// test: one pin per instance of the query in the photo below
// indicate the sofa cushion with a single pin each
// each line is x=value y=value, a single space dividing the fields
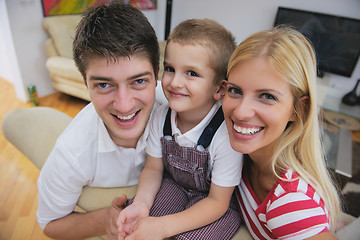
x=64 y=67
x=62 y=30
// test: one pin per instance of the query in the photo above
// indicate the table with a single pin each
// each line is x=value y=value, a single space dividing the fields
x=338 y=148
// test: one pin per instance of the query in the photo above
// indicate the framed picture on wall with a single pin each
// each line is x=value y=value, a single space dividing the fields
x=66 y=7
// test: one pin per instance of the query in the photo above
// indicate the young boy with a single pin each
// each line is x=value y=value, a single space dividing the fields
x=188 y=142
x=116 y=50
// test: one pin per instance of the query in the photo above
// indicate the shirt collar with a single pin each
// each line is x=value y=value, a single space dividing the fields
x=193 y=134
x=105 y=143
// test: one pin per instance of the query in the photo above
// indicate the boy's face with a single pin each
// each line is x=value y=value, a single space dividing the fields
x=188 y=80
x=123 y=94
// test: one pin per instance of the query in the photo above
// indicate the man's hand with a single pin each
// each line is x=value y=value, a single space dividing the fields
x=117 y=206
x=129 y=217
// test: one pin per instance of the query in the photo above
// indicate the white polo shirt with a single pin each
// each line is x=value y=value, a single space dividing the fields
x=226 y=163
x=84 y=154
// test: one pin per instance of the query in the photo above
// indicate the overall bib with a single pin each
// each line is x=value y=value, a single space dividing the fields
x=187 y=180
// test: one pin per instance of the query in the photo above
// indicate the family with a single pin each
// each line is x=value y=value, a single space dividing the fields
x=237 y=143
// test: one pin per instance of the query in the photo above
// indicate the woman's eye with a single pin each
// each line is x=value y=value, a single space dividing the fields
x=168 y=69
x=192 y=74
x=268 y=97
x=234 y=91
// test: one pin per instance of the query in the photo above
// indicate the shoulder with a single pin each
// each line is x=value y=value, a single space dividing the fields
x=80 y=138
x=159 y=114
x=294 y=204
x=84 y=124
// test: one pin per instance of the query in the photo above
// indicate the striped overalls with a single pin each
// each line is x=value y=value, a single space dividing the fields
x=187 y=180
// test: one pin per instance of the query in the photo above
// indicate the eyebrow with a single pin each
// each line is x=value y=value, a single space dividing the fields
x=259 y=90
x=139 y=75
x=100 y=78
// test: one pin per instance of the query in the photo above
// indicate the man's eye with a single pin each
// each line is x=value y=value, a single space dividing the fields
x=169 y=69
x=140 y=81
x=192 y=74
x=103 y=85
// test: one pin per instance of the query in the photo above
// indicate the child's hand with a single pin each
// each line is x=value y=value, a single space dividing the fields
x=148 y=228
x=129 y=217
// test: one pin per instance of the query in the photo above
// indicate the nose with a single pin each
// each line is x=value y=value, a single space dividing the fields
x=245 y=109
x=176 y=81
x=124 y=100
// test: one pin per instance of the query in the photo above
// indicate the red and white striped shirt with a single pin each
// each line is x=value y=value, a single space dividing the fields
x=291 y=210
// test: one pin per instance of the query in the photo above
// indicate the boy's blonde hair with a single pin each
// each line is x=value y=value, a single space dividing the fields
x=299 y=147
x=210 y=34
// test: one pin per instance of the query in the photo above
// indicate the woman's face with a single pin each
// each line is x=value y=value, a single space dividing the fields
x=257 y=106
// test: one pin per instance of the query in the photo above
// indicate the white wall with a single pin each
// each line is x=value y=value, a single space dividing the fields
x=243 y=18
x=239 y=16
x=29 y=38
x=9 y=67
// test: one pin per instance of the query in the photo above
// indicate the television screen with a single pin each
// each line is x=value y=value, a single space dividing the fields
x=336 y=39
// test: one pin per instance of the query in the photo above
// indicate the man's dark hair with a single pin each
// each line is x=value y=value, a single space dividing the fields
x=112 y=31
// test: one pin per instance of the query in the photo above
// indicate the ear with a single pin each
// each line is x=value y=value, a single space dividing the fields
x=303 y=104
x=220 y=91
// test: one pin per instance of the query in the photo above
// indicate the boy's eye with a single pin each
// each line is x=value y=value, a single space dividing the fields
x=169 y=69
x=192 y=74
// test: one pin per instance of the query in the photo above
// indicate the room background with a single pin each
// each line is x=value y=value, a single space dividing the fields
x=22 y=38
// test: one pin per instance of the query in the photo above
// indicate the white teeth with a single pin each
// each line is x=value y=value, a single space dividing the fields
x=247 y=131
x=124 y=118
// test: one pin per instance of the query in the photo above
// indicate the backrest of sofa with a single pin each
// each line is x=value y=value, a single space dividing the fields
x=62 y=31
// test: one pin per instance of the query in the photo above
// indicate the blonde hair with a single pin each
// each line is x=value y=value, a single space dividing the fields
x=299 y=147
x=210 y=34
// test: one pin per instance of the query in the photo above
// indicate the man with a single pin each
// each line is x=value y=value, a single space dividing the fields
x=116 y=50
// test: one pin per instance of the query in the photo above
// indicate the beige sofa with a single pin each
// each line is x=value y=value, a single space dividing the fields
x=63 y=73
x=36 y=137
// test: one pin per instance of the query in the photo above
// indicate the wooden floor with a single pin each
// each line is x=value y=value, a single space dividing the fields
x=18 y=190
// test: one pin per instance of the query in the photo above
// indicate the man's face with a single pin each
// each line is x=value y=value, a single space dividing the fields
x=123 y=94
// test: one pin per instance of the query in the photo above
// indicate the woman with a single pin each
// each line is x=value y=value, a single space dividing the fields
x=271 y=113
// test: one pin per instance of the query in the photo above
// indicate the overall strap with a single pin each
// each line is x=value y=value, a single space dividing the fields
x=167 y=126
x=208 y=133
x=210 y=130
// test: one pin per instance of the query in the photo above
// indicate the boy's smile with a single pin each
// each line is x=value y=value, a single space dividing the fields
x=188 y=80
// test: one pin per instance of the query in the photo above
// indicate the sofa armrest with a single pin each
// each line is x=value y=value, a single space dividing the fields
x=64 y=67
x=93 y=198
x=50 y=48
x=33 y=131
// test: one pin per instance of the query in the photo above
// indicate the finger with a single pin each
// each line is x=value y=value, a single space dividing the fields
x=121 y=223
x=119 y=202
x=129 y=238
x=121 y=236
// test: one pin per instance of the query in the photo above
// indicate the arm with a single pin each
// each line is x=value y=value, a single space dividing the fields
x=149 y=184
x=323 y=236
x=200 y=214
x=149 y=181
x=95 y=223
